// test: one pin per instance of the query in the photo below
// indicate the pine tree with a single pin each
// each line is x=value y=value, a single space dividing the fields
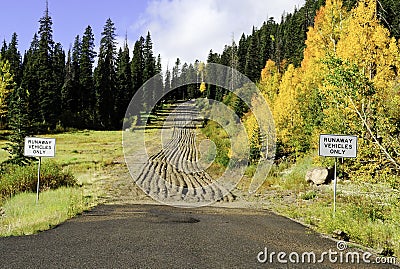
x=212 y=75
x=105 y=77
x=148 y=72
x=48 y=95
x=242 y=52
x=70 y=90
x=67 y=92
x=19 y=126
x=68 y=95
x=253 y=62
x=137 y=68
x=3 y=49
x=88 y=93
x=149 y=60
x=158 y=81
x=190 y=78
x=239 y=106
x=167 y=85
x=124 y=90
x=30 y=82
x=175 y=80
x=14 y=58
x=183 y=89
x=76 y=101
x=58 y=63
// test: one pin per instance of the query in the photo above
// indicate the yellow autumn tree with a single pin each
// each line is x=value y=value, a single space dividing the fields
x=323 y=37
x=360 y=87
x=269 y=83
x=287 y=114
x=321 y=42
x=367 y=43
x=6 y=84
x=254 y=137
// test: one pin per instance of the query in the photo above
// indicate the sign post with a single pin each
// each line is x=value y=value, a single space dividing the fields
x=38 y=180
x=39 y=147
x=335 y=186
x=337 y=146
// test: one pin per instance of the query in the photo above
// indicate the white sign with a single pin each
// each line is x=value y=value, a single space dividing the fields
x=40 y=147
x=340 y=146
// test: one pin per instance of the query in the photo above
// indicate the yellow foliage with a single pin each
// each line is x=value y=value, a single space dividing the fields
x=367 y=43
x=321 y=41
x=323 y=37
x=6 y=84
x=270 y=79
x=286 y=108
x=254 y=136
x=252 y=128
x=303 y=101
x=203 y=87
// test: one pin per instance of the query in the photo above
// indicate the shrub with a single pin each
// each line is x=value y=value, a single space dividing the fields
x=309 y=195
x=15 y=179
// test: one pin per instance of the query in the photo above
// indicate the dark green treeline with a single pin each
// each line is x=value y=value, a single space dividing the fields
x=84 y=89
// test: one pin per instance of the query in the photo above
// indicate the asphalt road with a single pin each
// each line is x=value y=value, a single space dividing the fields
x=153 y=236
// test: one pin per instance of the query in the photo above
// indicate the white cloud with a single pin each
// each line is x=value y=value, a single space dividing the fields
x=188 y=29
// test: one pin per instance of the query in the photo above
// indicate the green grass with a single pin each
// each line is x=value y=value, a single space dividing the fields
x=288 y=176
x=22 y=216
x=367 y=221
x=3 y=142
x=16 y=179
x=219 y=136
x=95 y=158
x=83 y=150
x=89 y=156
x=86 y=151
x=368 y=213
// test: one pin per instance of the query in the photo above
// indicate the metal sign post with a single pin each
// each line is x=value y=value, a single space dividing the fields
x=38 y=180
x=337 y=146
x=334 y=187
x=39 y=147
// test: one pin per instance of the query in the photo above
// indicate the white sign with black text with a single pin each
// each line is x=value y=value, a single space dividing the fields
x=339 y=146
x=40 y=147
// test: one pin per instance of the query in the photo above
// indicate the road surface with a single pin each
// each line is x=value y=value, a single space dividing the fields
x=155 y=236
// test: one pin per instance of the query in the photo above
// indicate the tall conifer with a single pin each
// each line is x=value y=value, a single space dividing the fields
x=105 y=77
x=88 y=93
x=124 y=91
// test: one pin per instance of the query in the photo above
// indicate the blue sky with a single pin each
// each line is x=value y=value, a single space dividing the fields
x=180 y=28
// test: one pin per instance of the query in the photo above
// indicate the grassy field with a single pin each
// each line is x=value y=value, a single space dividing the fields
x=96 y=159
x=22 y=216
x=368 y=214
x=90 y=156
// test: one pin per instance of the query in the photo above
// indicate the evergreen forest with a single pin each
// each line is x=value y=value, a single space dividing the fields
x=330 y=66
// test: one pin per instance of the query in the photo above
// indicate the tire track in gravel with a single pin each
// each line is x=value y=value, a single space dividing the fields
x=173 y=174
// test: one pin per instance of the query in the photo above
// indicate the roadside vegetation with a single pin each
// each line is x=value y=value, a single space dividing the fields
x=337 y=90
x=72 y=182
x=366 y=213
x=20 y=215
x=335 y=73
